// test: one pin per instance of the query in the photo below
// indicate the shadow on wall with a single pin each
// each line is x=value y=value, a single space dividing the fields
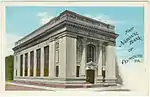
x=118 y=74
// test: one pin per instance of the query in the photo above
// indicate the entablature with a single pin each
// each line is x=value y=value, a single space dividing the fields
x=69 y=16
x=67 y=24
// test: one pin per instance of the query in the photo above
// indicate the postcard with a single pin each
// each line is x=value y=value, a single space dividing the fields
x=70 y=49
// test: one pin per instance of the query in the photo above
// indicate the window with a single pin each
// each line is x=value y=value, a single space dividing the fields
x=91 y=53
x=79 y=49
x=46 y=61
x=57 y=71
x=77 y=71
x=21 y=65
x=57 y=52
x=16 y=72
x=38 y=60
x=26 y=64
x=31 y=62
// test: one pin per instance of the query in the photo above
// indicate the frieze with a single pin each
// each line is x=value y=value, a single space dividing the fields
x=85 y=32
x=88 y=20
x=92 y=41
x=50 y=25
x=89 y=25
x=49 y=38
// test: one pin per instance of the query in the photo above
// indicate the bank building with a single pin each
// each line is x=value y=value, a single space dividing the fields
x=69 y=49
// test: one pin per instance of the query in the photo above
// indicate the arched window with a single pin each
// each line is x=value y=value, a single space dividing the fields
x=91 y=52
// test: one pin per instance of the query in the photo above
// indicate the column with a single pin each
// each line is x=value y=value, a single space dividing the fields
x=83 y=59
x=110 y=62
x=71 y=57
x=42 y=62
x=29 y=64
x=18 y=67
x=103 y=55
x=99 y=56
x=62 y=57
x=34 y=65
x=23 y=65
x=51 y=59
x=15 y=66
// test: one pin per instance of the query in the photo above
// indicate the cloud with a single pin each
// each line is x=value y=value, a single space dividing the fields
x=105 y=19
x=44 y=17
x=10 y=43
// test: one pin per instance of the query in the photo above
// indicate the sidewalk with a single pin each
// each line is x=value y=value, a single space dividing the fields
x=96 y=89
x=15 y=86
x=11 y=87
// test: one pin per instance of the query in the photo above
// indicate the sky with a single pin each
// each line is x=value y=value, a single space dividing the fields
x=22 y=20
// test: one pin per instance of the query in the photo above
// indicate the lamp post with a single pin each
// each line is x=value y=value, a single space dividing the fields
x=103 y=74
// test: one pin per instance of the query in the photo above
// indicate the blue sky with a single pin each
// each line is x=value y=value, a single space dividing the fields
x=21 y=21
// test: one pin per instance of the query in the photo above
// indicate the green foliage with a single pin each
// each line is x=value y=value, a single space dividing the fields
x=9 y=61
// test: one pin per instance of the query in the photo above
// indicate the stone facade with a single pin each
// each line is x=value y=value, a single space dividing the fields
x=73 y=41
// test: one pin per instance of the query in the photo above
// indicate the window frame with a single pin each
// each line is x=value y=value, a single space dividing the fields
x=31 y=63
x=91 y=53
x=38 y=61
x=21 y=65
x=46 y=60
x=26 y=65
x=77 y=71
x=57 y=71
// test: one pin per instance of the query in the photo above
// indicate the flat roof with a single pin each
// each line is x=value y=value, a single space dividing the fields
x=66 y=13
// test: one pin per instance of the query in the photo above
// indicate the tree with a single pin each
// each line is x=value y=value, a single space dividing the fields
x=9 y=61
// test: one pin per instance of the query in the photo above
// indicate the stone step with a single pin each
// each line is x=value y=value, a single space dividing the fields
x=58 y=85
x=54 y=85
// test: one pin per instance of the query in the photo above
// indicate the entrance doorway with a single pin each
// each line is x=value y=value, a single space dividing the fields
x=90 y=76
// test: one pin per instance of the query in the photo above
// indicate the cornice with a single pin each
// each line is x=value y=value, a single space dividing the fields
x=64 y=16
x=73 y=25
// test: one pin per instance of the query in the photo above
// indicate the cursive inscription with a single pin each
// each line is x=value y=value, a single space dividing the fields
x=131 y=37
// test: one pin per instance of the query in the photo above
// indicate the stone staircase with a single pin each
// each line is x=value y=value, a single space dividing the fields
x=61 y=85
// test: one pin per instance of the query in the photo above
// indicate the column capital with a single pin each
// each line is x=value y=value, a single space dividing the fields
x=105 y=43
x=109 y=44
x=100 y=44
x=84 y=39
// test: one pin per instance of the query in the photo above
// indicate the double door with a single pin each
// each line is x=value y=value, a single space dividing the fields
x=90 y=76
